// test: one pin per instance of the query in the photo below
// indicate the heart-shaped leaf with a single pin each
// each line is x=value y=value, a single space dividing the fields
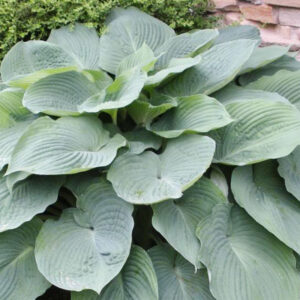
x=265 y=127
x=88 y=246
x=198 y=113
x=71 y=90
x=64 y=146
x=149 y=178
x=244 y=260
x=177 y=220
x=127 y=30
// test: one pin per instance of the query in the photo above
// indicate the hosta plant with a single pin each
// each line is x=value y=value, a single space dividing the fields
x=147 y=165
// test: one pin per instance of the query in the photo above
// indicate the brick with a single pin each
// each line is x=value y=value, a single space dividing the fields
x=220 y=4
x=290 y=3
x=234 y=8
x=289 y=16
x=262 y=13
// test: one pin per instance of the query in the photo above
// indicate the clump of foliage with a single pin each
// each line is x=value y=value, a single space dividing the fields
x=34 y=19
x=137 y=163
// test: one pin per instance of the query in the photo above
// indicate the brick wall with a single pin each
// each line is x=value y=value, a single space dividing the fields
x=278 y=20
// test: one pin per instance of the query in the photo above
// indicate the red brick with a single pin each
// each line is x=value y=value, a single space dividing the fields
x=220 y=4
x=289 y=16
x=262 y=13
x=290 y=3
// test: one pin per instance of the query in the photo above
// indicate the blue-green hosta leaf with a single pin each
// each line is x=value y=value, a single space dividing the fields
x=216 y=69
x=14 y=120
x=176 y=65
x=64 y=146
x=261 y=192
x=27 y=199
x=177 y=279
x=219 y=179
x=143 y=58
x=183 y=45
x=245 y=262
x=233 y=93
x=88 y=246
x=140 y=139
x=19 y=276
x=262 y=56
x=231 y=33
x=122 y=92
x=30 y=61
x=136 y=281
x=286 y=62
x=198 y=113
x=149 y=178
x=177 y=220
x=128 y=29
x=13 y=178
x=61 y=94
x=289 y=169
x=264 y=128
x=285 y=83
x=144 y=110
x=81 y=41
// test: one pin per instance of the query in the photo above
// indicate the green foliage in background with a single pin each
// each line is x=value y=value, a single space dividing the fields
x=33 y=19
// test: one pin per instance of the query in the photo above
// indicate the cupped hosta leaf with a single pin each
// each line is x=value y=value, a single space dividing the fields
x=26 y=199
x=122 y=92
x=232 y=33
x=262 y=193
x=285 y=83
x=140 y=139
x=136 y=281
x=264 y=128
x=198 y=113
x=177 y=279
x=128 y=29
x=262 y=56
x=61 y=94
x=286 y=62
x=176 y=65
x=216 y=69
x=183 y=45
x=64 y=146
x=245 y=262
x=14 y=120
x=30 y=61
x=143 y=58
x=144 y=110
x=289 y=169
x=149 y=178
x=88 y=246
x=19 y=276
x=177 y=220
x=81 y=41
